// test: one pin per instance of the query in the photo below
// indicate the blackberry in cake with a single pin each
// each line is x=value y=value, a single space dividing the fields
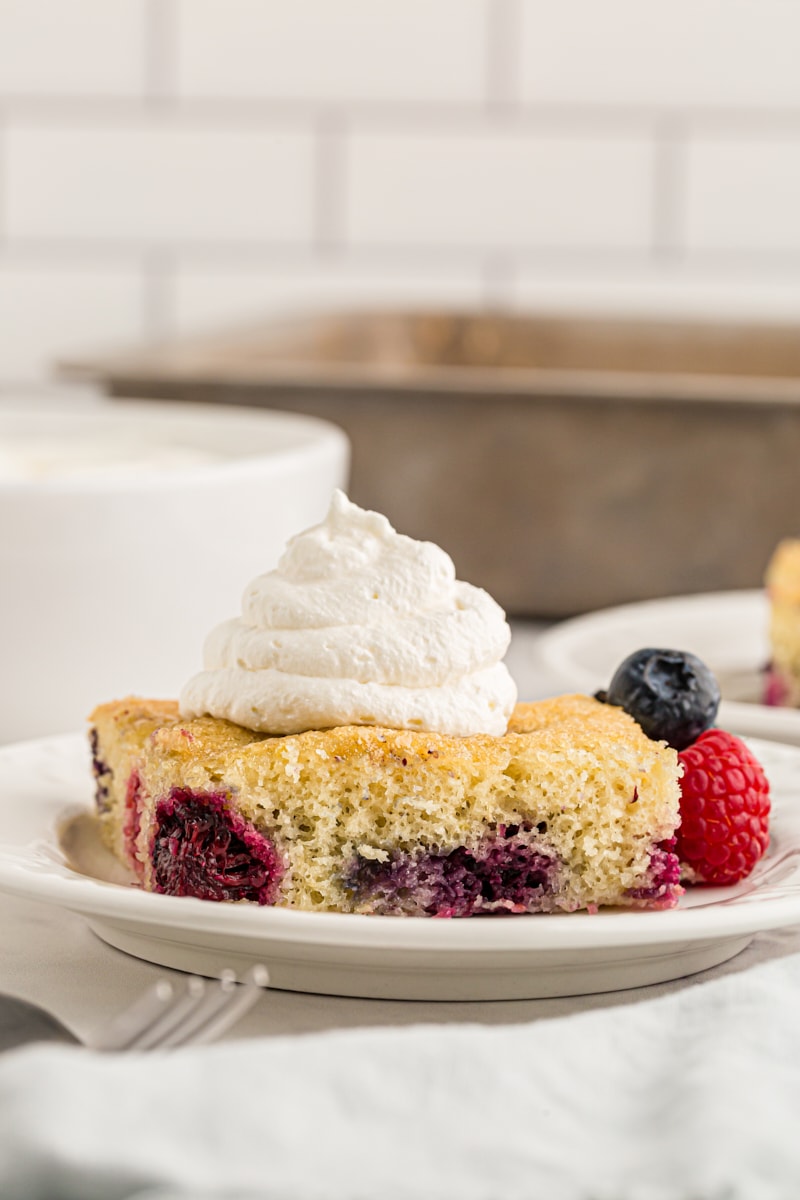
x=783 y=591
x=572 y=808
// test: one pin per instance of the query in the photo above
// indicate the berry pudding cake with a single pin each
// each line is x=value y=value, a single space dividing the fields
x=783 y=591
x=354 y=744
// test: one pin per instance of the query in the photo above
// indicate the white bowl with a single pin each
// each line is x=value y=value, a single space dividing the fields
x=110 y=578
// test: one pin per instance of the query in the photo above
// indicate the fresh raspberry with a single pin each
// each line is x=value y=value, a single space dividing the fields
x=725 y=807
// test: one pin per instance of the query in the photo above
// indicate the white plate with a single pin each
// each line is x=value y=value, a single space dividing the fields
x=728 y=630
x=49 y=850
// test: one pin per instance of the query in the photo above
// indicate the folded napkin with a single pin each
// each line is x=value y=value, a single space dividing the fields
x=691 y=1096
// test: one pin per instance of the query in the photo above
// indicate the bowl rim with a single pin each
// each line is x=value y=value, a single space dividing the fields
x=314 y=439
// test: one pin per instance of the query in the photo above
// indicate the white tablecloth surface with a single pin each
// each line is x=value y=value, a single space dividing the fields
x=682 y=1091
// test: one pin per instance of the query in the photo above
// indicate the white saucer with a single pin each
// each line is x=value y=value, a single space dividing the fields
x=728 y=630
x=49 y=850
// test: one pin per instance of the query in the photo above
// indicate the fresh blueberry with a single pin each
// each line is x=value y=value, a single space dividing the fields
x=672 y=694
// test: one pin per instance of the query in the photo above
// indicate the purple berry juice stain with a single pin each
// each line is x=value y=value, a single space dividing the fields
x=507 y=872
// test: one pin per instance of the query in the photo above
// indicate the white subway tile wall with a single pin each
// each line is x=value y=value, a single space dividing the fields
x=492 y=189
x=744 y=193
x=48 y=307
x=169 y=181
x=339 y=51
x=676 y=54
x=82 y=48
x=168 y=166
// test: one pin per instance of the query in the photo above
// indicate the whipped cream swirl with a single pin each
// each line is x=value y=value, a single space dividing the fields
x=358 y=625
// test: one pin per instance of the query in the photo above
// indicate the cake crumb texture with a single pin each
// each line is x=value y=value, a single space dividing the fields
x=573 y=807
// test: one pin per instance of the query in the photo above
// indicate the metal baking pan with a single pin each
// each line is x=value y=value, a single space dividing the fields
x=565 y=463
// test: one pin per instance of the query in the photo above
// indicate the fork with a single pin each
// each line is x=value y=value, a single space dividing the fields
x=164 y=1017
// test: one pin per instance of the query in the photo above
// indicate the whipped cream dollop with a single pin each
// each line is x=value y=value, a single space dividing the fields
x=358 y=625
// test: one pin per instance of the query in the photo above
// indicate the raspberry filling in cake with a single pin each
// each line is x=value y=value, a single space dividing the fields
x=200 y=848
x=132 y=820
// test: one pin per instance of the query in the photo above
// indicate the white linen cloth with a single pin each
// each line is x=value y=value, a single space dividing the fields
x=690 y=1096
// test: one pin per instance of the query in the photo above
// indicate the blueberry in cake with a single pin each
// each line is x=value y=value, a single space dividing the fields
x=783 y=591
x=353 y=745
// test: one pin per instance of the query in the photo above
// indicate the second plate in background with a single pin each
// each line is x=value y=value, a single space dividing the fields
x=728 y=630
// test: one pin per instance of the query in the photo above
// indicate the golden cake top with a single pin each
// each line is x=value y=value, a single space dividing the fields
x=572 y=721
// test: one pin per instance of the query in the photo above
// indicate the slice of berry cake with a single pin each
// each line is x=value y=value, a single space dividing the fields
x=783 y=590
x=573 y=808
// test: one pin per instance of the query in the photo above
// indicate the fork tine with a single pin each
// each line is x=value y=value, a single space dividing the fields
x=198 y=1013
x=219 y=1010
x=142 y=1014
x=182 y=1007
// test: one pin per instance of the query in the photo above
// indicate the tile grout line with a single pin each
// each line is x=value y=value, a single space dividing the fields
x=669 y=189
x=528 y=116
x=503 y=23
x=61 y=251
x=4 y=232
x=158 y=270
x=329 y=184
x=161 y=40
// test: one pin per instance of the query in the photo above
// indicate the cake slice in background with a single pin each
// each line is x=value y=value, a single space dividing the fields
x=783 y=589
